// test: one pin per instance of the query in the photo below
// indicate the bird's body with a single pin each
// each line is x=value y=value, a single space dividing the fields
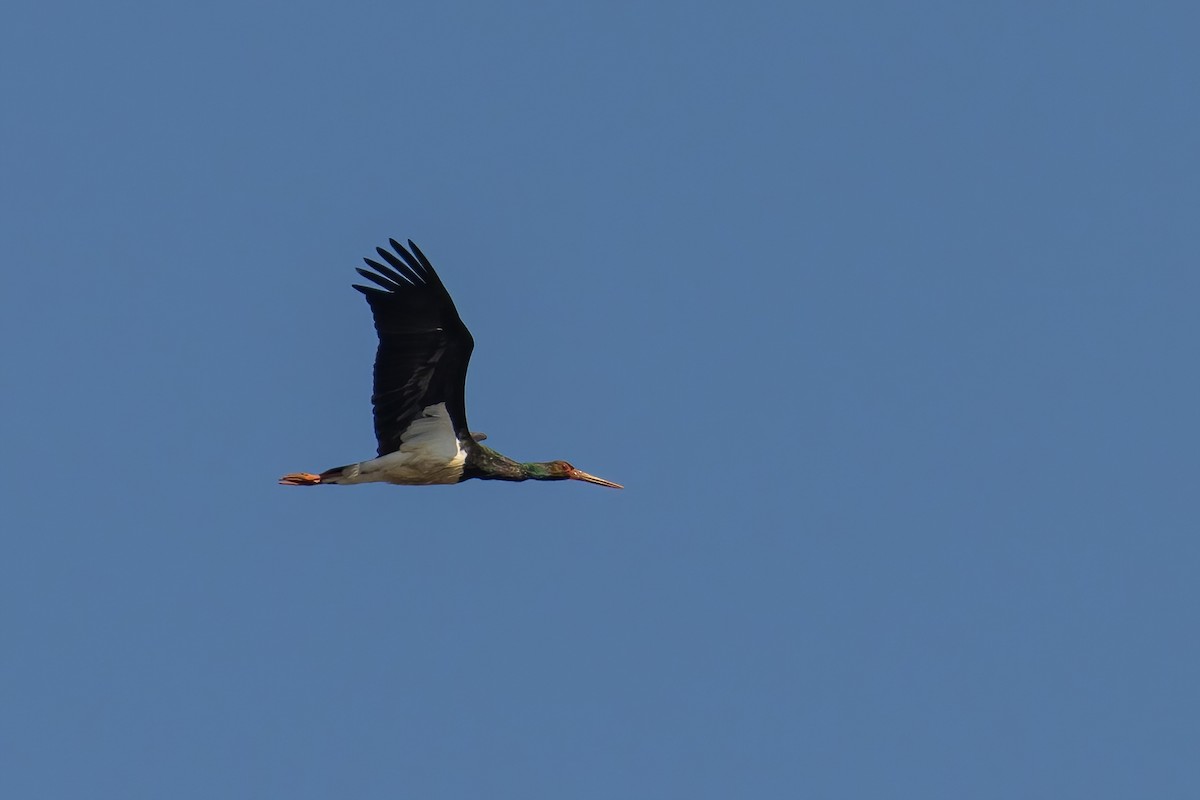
x=419 y=389
x=430 y=454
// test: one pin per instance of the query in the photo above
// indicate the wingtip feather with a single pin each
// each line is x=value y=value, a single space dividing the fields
x=409 y=266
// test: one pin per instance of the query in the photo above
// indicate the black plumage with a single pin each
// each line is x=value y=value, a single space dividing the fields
x=424 y=347
x=421 y=367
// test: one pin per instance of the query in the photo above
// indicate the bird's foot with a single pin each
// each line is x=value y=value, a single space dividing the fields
x=300 y=479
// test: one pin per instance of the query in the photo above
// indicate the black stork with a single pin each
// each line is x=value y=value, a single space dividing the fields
x=419 y=392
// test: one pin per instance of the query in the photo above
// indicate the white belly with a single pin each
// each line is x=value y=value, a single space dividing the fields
x=429 y=453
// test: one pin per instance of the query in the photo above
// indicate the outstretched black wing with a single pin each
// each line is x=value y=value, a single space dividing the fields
x=423 y=345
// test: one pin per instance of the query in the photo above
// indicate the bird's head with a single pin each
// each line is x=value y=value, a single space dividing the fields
x=561 y=471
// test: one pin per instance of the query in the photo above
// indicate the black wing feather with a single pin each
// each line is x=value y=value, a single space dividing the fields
x=387 y=272
x=424 y=348
x=399 y=266
x=387 y=283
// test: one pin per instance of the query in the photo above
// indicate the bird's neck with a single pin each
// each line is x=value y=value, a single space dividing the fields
x=486 y=463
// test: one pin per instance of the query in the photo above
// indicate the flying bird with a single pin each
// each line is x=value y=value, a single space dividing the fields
x=419 y=391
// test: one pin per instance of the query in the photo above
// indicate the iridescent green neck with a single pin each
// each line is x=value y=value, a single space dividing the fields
x=484 y=462
x=543 y=470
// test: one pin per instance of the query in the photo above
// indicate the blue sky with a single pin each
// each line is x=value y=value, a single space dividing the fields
x=884 y=313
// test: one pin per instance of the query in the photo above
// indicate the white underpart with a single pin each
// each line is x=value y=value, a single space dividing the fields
x=429 y=453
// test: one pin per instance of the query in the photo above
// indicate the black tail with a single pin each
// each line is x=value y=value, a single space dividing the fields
x=332 y=475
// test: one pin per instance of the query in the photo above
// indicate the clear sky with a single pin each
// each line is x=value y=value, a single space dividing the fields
x=885 y=314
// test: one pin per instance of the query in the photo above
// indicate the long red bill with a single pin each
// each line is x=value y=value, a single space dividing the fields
x=580 y=475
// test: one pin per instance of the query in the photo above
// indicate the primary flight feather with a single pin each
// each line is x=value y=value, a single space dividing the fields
x=419 y=390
